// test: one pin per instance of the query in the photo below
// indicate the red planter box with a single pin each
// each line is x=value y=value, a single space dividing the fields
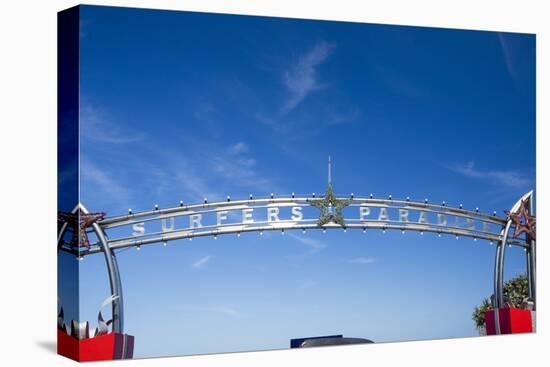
x=106 y=347
x=510 y=321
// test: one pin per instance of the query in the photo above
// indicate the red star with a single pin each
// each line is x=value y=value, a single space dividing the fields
x=524 y=223
x=79 y=222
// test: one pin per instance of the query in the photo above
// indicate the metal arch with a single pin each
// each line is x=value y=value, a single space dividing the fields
x=114 y=277
x=123 y=219
x=531 y=258
x=228 y=228
x=500 y=252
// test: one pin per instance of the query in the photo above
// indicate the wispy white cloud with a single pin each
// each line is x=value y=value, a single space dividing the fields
x=195 y=185
x=238 y=148
x=338 y=118
x=362 y=260
x=312 y=243
x=97 y=125
x=100 y=180
x=508 y=57
x=235 y=165
x=301 y=79
x=509 y=178
x=230 y=166
x=201 y=262
x=225 y=310
x=273 y=123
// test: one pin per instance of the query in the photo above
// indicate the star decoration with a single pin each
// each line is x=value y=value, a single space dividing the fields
x=79 y=222
x=523 y=221
x=331 y=208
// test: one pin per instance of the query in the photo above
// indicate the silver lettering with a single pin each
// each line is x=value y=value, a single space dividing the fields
x=423 y=218
x=272 y=214
x=247 y=216
x=165 y=228
x=364 y=212
x=221 y=216
x=138 y=228
x=195 y=221
x=383 y=215
x=297 y=214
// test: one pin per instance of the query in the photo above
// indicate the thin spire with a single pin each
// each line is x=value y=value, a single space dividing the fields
x=329 y=175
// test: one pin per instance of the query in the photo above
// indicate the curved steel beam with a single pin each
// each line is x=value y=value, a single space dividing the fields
x=143 y=238
x=186 y=234
x=189 y=209
x=531 y=258
x=114 y=277
x=501 y=249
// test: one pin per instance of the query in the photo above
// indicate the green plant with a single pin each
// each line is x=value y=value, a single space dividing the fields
x=515 y=291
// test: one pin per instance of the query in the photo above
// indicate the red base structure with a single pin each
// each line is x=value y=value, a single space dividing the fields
x=510 y=321
x=101 y=348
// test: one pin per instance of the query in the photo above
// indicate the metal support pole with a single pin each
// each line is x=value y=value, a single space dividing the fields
x=499 y=260
x=531 y=259
x=114 y=277
x=533 y=273
x=114 y=280
x=496 y=295
x=499 y=267
x=528 y=263
x=496 y=278
x=119 y=283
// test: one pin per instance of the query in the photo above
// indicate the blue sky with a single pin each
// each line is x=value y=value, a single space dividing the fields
x=182 y=106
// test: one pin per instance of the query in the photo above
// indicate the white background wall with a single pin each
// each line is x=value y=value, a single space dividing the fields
x=28 y=181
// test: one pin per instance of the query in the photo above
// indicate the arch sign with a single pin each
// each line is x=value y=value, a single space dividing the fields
x=327 y=212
